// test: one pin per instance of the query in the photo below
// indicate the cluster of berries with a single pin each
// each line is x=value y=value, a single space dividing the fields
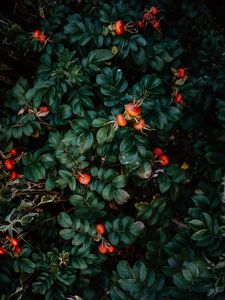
x=150 y=16
x=9 y=245
x=42 y=111
x=9 y=163
x=132 y=113
x=39 y=36
x=180 y=76
x=164 y=159
x=104 y=247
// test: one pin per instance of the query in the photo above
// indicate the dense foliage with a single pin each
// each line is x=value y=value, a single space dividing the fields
x=112 y=153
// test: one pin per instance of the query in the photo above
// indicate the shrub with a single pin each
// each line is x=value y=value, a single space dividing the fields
x=112 y=156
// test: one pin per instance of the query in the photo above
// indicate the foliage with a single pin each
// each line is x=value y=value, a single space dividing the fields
x=166 y=219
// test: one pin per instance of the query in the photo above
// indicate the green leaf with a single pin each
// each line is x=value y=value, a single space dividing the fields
x=64 y=220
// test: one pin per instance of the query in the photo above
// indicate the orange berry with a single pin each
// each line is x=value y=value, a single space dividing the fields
x=100 y=228
x=119 y=27
x=139 y=125
x=14 y=242
x=111 y=249
x=120 y=120
x=133 y=109
x=164 y=160
x=36 y=34
x=9 y=164
x=13 y=152
x=14 y=175
x=18 y=250
x=42 y=38
x=2 y=251
x=44 y=109
x=84 y=178
x=102 y=249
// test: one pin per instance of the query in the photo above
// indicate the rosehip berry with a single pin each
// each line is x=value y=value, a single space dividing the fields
x=140 y=24
x=14 y=242
x=157 y=151
x=2 y=251
x=120 y=120
x=8 y=237
x=84 y=178
x=9 y=164
x=156 y=24
x=14 y=175
x=164 y=160
x=44 y=109
x=132 y=109
x=154 y=10
x=147 y=16
x=119 y=27
x=179 y=98
x=100 y=228
x=18 y=250
x=36 y=34
x=102 y=249
x=42 y=39
x=13 y=152
x=111 y=249
x=139 y=125
x=180 y=73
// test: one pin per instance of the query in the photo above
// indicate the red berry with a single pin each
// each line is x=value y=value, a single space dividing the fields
x=100 y=228
x=42 y=38
x=157 y=151
x=147 y=16
x=111 y=249
x=8 y=237
x=14 y=175
x=84 y=178
x=139 y=125
x=164 y=160
x=156 y=24
x=44 y=109
x=132 y=109
x=179 y=98
x=14 y=242
x=120 y=120
x=2 y=251
x=154 y=10
x=119 y=27
x=140 y=24
x=180 y=73
x=18 y=250
x=13 y=152
x=102 y=249
x=36 y=34
x=9 y=164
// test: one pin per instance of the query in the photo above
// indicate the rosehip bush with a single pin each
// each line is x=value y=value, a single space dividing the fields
x=112 y=155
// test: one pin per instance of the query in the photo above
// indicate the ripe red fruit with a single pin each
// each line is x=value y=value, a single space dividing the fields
x=179 y=98
x=13 y=151
x=120 y=120
x=14 y=175
x=14 y=242
x=156 y=24
x=140 y=24
x=42 y=38
x=9 y=164
x=8 y=237
x=139 y=125
x=44 y=109
x=147 y=16
x=18 y=250
x=157 y=151
x=111 y=249
x=180 y=73
x=132 y=109
x=119 y=27
x=2 y=251
x=154 y=10
x=102 y=249
x=164 y=160
x=100 y=228
x=84 y=178
x=36 y=34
